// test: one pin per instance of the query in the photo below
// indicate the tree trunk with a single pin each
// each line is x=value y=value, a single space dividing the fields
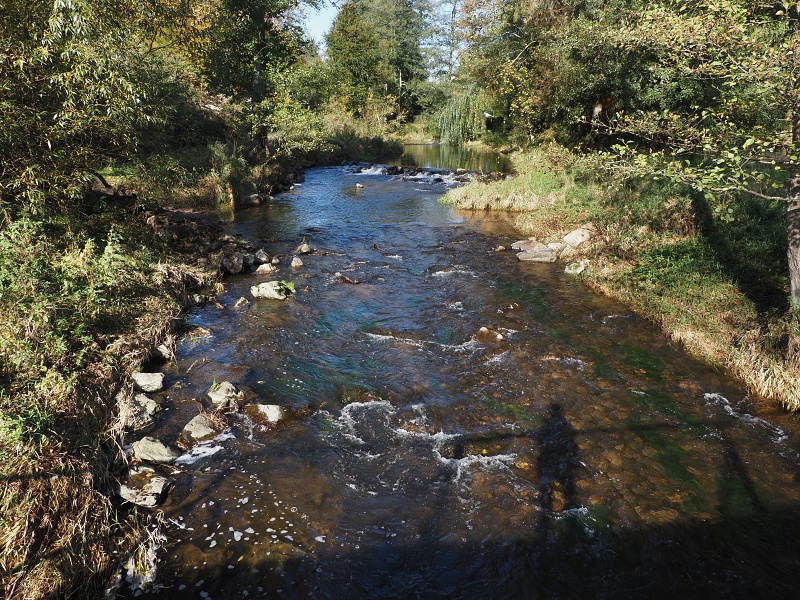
x=793 y=199
x=793 y=250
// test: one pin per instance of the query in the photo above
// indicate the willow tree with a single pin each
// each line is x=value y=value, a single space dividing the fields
x=463 y=118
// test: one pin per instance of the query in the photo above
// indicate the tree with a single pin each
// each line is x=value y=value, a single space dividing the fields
x=375 y=46
x=354 y=56
x=246 y=41
x=743 y=133
x=79 y=83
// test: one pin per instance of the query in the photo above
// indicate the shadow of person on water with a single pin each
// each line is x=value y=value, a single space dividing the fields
x=558 y=459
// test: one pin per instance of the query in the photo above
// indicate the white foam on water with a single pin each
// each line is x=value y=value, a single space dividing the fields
x=777 y=434
x=498 y=359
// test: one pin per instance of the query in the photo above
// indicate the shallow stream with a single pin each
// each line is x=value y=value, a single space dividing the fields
x=461 y=425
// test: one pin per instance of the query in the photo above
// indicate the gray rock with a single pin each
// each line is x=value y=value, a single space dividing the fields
x=248 y=259
x=576 y=268
x=303 y=248
x=224 y=396
x=524 y=245
x=148 y=382
x=250 y=200
x=578 y=236
x=261 y=256
x=270 y=289
x=149 y=449
x=556 y=246
x=143 y=488
x=542 y=254
x=199 y=428
x=241 y=302
x=265 y=269
x=296 y=262
x=162 y=351
x=231 y=263
x=138 y=412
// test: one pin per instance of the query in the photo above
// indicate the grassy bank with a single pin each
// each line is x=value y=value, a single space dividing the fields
x=710 y=273
x=84 y=301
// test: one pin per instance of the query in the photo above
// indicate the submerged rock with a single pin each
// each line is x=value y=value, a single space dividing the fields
x=144 y=488
x=149 y=449
x=148 y=382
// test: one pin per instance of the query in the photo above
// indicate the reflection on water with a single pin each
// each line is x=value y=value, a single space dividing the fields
x=442 y=156
x=461 y=425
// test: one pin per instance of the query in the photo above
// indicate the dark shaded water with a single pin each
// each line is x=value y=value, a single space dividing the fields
x=566 y=450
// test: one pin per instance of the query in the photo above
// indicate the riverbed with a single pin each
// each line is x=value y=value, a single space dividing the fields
x=459 y=424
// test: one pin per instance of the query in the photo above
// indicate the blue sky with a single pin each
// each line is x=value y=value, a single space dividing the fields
x=318 y=22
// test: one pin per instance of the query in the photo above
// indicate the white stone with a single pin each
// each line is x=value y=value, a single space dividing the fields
x=296 y=262
x=269 y=289
x=578 y=236
x=271 y=412
x=148 y=382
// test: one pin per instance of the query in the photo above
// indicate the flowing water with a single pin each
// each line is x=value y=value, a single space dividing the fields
x=461 y=425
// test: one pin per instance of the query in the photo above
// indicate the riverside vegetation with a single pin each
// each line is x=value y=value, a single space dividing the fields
x=715 y=286
x=673 y=129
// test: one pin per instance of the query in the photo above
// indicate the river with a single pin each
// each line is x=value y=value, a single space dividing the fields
x=461 y=425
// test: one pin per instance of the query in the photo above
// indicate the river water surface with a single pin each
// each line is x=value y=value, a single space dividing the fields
x=462 y=425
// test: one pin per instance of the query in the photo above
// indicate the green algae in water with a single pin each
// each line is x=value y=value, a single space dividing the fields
x=597 y=518
x=664 y=404
x=512 y=410
x=643 y=360
x=600 y=366
x=670 y=458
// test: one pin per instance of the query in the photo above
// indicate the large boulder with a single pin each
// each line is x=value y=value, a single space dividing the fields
x=149 y=449
x=148 y=382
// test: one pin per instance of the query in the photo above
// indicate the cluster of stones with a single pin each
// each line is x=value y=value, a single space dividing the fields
x=532 y=250
x=278 y=290
x=145 y=485
x=214 y=249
